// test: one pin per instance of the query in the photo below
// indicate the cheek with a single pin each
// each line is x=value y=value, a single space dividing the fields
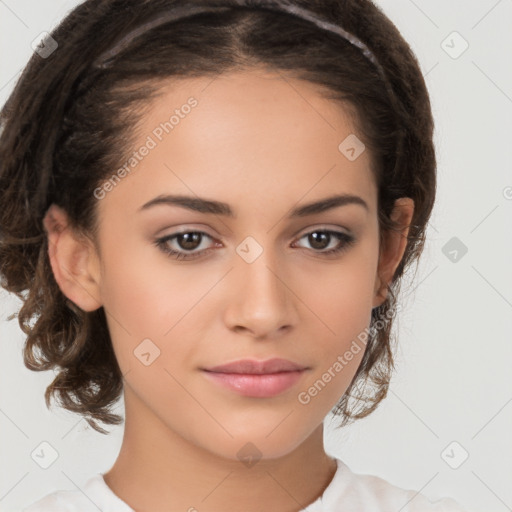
x=146 y=298
x=341 y=292
x=341 y=299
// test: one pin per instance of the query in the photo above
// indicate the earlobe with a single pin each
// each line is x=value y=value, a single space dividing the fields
x=73 y=260
x=393 y=248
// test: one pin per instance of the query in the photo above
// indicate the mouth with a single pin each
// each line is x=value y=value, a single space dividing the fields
x=259 y=379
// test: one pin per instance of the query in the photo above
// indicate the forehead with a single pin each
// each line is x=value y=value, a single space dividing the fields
x=252 y=139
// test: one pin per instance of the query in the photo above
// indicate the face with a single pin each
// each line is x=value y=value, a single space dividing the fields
x=261 y=282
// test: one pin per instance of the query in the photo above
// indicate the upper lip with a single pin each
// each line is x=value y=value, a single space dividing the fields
x=252 y=366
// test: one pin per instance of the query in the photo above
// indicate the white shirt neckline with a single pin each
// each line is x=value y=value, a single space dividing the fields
x=347 y=491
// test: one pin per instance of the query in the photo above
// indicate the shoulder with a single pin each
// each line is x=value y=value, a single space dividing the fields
x=389 y=496
x=61 y=501
x=95 y=496
x=374 y=493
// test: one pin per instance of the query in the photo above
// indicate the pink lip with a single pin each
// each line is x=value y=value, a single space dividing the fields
x=251 y=366
x=259 y=379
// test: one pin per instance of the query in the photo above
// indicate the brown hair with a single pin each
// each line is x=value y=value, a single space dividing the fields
x=64 y=128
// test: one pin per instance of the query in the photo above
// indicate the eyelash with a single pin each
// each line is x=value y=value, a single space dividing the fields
x=161 y=243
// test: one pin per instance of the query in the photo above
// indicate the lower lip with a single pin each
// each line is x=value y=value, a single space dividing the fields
x=259 y=386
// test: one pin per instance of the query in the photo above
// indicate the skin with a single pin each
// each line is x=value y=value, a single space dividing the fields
x=265 y=144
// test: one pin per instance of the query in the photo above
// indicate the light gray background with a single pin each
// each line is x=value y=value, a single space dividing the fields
x=454 y=378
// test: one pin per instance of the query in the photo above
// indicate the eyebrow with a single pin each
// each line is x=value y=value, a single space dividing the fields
x=202 y=205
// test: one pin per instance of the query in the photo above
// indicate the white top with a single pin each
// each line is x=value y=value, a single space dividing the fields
x=347 y=492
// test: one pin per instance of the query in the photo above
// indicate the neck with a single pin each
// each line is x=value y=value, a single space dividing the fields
x=157 y=469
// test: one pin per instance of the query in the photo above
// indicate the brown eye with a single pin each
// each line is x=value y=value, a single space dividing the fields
x=320 y=240
x=189 y=241
x=184 y=243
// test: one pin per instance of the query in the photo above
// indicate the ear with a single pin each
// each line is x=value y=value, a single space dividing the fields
x=392 y=248
x=73 y=259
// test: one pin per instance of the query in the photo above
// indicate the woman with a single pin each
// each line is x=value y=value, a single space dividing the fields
x=211 y=206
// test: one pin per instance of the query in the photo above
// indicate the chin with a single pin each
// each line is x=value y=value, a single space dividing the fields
x=254 y=445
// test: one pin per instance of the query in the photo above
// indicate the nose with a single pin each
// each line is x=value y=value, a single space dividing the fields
x=261 y=302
